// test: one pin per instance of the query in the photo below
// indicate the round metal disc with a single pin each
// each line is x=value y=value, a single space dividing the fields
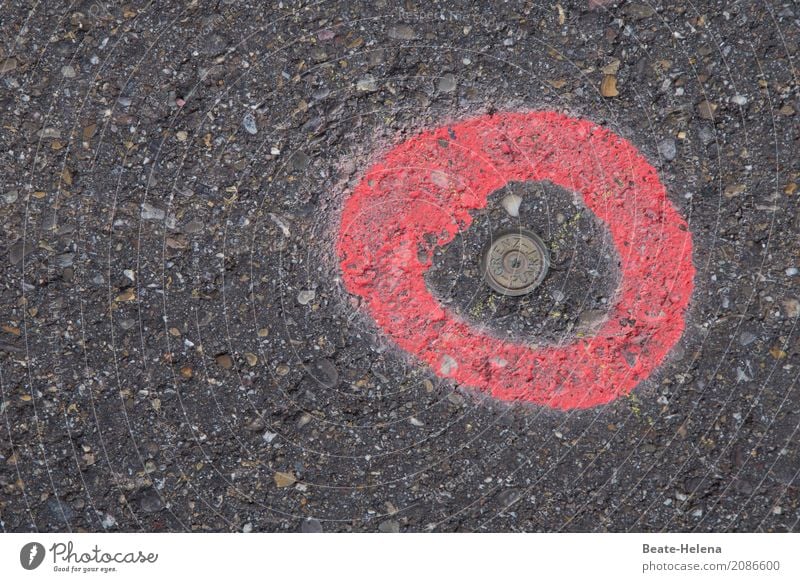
x=515 y=262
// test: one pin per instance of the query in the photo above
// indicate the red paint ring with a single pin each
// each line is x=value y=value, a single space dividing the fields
x=422 y=192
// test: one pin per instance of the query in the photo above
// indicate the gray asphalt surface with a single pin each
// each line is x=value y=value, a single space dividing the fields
x=178 y=353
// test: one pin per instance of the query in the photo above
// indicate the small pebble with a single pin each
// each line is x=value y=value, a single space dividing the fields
x=8 y=65
x=249 y=123
x=448 y=365
x=706 y=135
x=455 y=398
x=792 y=307
x=49 y=133
x=193 y=226
x=321 y=94
x=511 y=203
x=608 y=86
x=151 y=502
x=791 y=271
x=300 y=161
x=706 y=109
x=402 y=32
x=639 y=11
x=668 y=149
x=324 y=372
x=591 y=318
x=283 y=479
x=224 y=361
x=306 y=296
x=746 y=338
x=255 y=425
x=65 y=260
x=19 y=250
x=311 y=525
x=440 y=178
x=150 y=212
x=367 y=84
x=389 y=526
x=508 y=497
x=447 y=83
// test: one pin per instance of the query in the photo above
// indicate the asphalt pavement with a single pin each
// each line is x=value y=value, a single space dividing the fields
x=179 y=352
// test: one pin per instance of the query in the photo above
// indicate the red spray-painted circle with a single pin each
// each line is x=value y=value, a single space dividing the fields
x=421 y=193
